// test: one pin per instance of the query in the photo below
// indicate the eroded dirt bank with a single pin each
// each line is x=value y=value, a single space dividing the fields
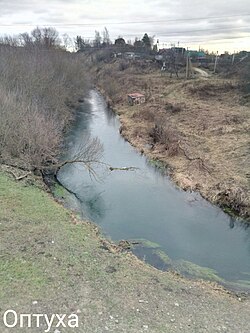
x=198 y=128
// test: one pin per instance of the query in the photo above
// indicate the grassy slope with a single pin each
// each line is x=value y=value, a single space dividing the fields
x=49 y=257
x=210 y=123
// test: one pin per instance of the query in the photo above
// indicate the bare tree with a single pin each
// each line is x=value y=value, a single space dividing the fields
x=88 y=154
x=50 y=37
x=35 y=89
x=47 y=37
x=98 y=39
x=68 y=42
x=106 y=39
x=37 y=36
x=9 y=41
x=25 y=40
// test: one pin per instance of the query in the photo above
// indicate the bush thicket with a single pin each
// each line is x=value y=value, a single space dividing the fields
x=37 y=85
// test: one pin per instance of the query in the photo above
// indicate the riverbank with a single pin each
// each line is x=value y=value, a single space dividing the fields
x=123 y=205
x=197 y=128
x=51 y=262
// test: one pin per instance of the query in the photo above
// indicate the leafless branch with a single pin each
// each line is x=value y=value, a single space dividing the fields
x=19 y=177
x=123 y=168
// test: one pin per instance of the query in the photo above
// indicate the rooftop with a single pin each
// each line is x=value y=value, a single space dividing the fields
x=135 y=95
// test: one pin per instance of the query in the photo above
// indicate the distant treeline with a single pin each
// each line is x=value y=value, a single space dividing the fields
x=48 y=37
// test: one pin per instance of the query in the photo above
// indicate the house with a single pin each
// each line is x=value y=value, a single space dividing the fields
x=178 y=50
x=198 y=56
x=129 y=55
x=116 y=55
x=159 y=57
x=132 y=55
x=136 y=98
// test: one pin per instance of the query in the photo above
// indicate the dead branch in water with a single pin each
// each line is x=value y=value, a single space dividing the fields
x=89 y=154
x=123 y=168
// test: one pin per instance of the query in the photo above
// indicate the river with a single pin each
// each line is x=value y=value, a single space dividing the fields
x=180 y=230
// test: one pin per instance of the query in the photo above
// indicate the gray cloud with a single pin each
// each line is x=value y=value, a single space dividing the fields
x=174 y=20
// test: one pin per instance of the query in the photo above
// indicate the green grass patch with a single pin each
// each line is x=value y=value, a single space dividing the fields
x=20 y=276
x=59 y=191
x=39 y=243
x=28 y=202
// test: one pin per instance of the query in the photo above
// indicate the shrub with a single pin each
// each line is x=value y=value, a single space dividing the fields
x=123 y=65
x=174 y=108
x=163 y=134
x=35 y=86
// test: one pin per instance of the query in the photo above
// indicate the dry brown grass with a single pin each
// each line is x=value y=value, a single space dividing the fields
x=36 y=88
x=197 y=127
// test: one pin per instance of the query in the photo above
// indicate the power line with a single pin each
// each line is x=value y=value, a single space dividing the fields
x=214 y=40
x=128 y=22
x=162 y=21
x=176 y=33
x=180 y=33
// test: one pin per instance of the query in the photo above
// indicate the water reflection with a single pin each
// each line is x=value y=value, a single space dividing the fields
x=145 y=204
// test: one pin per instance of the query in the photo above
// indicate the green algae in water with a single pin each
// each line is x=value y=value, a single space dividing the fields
x=158 y=164
x=145 y=243
x=163 y=256
x=244 y=282
x=152 y=253
x=188 y=268
x=239 y=285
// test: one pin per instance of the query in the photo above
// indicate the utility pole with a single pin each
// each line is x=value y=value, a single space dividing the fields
x=215 y=62
x=233 y=58
x=188 y=67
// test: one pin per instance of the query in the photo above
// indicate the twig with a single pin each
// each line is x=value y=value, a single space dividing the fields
x=19 y=177
x=123 y=168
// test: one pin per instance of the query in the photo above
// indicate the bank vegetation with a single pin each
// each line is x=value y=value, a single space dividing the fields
x=40 y=83
x=199 y=128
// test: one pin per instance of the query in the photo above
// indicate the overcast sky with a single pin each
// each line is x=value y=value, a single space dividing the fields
x=216 y=25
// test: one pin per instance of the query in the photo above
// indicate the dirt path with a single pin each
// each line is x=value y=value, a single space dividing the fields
x=201 y=72
x=53 y=263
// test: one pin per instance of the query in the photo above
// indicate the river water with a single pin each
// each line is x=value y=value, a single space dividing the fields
x=145 y=204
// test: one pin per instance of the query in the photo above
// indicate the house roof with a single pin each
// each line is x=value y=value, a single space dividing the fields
x=199 y=54
x=136 y=95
